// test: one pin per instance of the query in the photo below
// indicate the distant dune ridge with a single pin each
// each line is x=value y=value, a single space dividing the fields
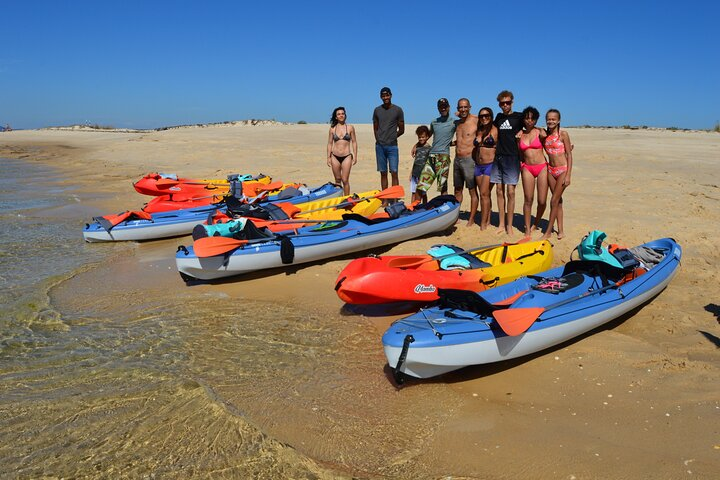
x=109 y=128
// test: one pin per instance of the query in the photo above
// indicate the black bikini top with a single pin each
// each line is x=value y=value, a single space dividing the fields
x=345 y=137
x=488 y=142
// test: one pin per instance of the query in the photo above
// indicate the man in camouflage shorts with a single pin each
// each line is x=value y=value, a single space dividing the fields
x=437 y=167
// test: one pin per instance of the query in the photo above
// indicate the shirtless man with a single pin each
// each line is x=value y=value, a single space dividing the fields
x=464 y=165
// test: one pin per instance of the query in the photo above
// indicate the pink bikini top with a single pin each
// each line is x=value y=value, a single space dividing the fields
x=554 y=145
x=535 y=144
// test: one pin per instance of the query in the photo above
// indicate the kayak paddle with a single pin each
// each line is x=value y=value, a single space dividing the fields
x=515 y=321
x=179 y=197
x=217 y=245
x=169 y=182
x=212 y=246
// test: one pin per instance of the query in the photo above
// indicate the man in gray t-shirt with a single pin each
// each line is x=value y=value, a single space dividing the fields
x=388 y=125
x=437 y=167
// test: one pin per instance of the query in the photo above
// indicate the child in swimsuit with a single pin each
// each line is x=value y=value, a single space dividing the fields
x=559 y=150
x=533 y=169
x=422 y=152
x=341 y=148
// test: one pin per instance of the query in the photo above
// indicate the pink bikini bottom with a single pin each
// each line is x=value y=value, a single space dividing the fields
x=533 y=169
x=557 y=171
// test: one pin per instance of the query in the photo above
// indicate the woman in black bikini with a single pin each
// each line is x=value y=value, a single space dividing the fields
x=341 y=148
x=484 y=155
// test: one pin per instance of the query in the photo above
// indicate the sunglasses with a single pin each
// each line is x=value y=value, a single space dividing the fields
x=484 y=115
x=502 y=104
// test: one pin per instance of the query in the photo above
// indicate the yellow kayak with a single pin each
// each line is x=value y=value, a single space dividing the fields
x=393 y=278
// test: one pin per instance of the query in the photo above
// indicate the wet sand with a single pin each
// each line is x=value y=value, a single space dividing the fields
x=637 y=399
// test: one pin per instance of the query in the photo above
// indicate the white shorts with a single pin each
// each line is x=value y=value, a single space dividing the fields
x=413 y=184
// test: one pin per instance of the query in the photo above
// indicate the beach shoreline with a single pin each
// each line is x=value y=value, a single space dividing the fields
x=635 y=399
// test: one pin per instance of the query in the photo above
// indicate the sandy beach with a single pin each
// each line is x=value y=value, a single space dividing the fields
x=637 y=399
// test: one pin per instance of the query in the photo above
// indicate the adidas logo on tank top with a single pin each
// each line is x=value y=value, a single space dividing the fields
x=506 y=125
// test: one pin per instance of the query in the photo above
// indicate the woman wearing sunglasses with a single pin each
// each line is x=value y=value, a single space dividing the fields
x=484 y=154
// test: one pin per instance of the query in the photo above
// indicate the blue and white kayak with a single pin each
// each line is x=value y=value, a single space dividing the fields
x=320 y=240
x=181 y=222
x=558 y=305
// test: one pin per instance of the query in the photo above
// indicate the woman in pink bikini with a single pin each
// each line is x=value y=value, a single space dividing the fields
x=533 y=169
x=485 y=144
x=559 y=150
x=341 y=148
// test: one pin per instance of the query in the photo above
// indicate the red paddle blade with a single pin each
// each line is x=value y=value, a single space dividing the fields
x=396 y=191
x=212 y=246
x=515 y=321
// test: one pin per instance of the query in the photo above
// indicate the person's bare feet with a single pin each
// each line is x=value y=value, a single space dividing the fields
x=470 y=223
x=560 y=235
x=500 y=230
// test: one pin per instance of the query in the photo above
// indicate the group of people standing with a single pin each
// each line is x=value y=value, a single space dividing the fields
x=488 y=154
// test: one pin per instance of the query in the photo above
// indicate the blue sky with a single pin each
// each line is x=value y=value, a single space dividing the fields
x=147 y=64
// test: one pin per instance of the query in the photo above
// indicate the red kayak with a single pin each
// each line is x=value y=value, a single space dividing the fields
x=164 y=203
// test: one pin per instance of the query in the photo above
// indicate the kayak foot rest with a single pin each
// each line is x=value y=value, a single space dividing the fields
x=557 y=284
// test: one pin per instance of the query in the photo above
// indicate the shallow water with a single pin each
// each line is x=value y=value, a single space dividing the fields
x=110 y=365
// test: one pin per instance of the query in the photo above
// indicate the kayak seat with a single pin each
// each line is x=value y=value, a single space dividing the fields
x=365 y=220
x=109 y=221
x=252 y=232
x=465 y=300
x=245 y=230
x=594 y=267
x=463 y=261
x=289 y=193
x=436 y=202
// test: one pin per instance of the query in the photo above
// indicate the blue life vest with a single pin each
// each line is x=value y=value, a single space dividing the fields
x=591 y=248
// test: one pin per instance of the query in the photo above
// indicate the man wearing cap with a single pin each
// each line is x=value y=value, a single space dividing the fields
x=388 y=125
x=437 y=166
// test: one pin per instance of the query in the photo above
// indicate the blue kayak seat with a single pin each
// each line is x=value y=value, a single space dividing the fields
x=463 y=261
x=288 y=193
x=594 y=268
x=365 y=220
